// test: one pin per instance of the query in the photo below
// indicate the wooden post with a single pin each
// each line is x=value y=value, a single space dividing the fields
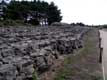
x=99 y=42
x=100 y=57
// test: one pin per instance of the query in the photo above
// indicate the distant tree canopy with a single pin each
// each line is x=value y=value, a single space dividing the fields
x=78 y=24
x=17 y=10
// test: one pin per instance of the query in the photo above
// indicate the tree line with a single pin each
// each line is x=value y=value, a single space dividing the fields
x=17 y=10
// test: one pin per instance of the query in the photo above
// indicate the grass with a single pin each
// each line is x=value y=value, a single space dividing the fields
x=34 y=75
x=84 y=64
x=9 y=22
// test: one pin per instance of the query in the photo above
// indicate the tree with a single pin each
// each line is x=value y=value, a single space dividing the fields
x=19 y=9
x=53 y=13
x=80 y=24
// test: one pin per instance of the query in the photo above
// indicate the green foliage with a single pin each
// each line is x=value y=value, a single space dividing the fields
x=9 y=22
x=17 y=10
x=54 y=13
x=34 y=76
x=78 y=24
x=34 y=22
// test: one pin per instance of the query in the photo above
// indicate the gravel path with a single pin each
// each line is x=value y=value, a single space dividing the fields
x=103 y=35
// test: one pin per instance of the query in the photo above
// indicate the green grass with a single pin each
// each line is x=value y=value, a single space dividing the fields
x=34 y=75
x=9 y=22
x=84 y=65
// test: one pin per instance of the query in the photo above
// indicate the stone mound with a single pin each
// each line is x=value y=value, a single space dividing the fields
x=26 y=49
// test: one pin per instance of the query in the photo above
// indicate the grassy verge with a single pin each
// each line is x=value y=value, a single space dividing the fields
x=14 y=23
x=83 y=65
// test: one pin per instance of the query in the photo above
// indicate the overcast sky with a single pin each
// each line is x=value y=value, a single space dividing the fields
x=86 y=11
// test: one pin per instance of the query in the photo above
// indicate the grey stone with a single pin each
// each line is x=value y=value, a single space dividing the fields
x=25 y=49
x=7 y=72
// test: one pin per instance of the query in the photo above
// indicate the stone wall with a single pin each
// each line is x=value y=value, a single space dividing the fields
x=24 y=50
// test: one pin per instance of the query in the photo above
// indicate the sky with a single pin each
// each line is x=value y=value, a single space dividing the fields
x=86 y=11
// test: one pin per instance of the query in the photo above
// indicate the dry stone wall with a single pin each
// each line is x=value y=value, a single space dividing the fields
x=26 y=49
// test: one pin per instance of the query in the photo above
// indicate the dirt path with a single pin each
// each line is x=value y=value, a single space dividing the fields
x=103 y=35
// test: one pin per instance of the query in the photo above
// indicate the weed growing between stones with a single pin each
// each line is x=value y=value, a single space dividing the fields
x=34 y=75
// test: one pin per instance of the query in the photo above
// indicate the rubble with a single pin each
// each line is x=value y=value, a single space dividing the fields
x=26 y=49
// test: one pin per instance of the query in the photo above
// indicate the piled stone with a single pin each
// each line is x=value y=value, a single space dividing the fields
x=26 y=49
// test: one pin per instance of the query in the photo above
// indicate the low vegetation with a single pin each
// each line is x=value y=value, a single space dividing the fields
x=84 y=65
x=34 y=75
